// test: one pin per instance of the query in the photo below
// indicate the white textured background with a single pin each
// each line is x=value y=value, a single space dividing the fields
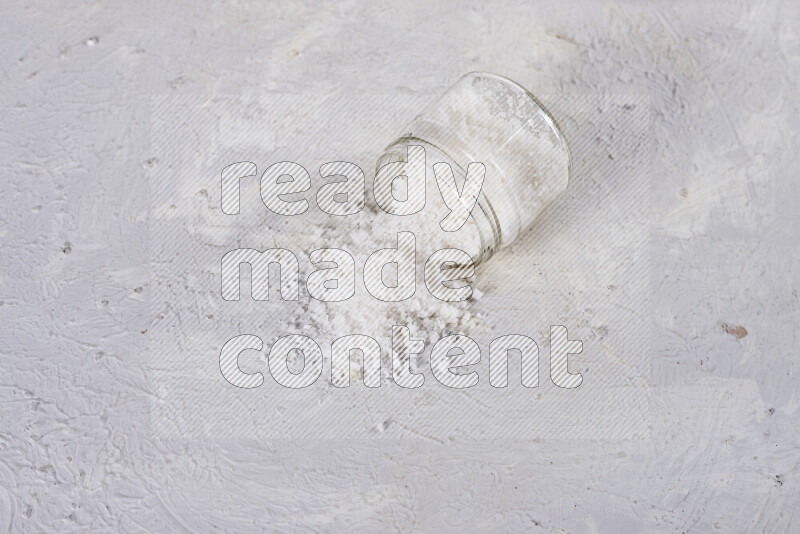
x=76 y=453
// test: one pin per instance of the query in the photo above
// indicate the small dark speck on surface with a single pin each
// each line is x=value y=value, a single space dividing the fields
x=736 y=331
x=67 y=248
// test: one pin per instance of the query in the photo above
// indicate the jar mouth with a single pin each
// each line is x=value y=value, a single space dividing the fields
x=483 y=214
x=553 y=123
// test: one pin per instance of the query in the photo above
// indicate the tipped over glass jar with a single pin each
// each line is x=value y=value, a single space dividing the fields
x=493 y=120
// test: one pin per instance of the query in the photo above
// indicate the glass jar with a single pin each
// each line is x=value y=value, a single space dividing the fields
x=493 y=120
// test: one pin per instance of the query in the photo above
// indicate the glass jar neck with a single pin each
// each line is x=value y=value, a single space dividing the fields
x=483 y=214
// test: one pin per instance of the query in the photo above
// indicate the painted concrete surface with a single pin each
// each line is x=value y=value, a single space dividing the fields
x=78 y=451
